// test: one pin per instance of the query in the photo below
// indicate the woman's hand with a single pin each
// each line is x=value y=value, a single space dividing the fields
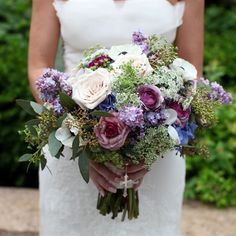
x=105 y=178
x=136 y=173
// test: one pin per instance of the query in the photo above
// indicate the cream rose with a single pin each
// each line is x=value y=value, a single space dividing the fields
x=186 y=69
x=139 y=62
x=91 y=88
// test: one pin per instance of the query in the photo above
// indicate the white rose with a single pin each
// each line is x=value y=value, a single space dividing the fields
x=186 y=69
x=139 y=62
x=90 y=89
x=75 y=74
x=115 y=51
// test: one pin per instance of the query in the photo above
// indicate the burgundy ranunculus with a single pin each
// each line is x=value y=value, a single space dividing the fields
x=183 y=115
x=111 y=132
x=150 y=96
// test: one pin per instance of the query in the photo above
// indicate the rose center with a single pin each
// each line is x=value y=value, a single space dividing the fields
x=111 y=130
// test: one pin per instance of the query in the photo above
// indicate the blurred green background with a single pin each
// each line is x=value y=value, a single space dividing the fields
x=212 y=180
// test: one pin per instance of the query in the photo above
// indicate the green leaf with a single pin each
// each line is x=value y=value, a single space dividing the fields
x=60 y=120
x=84 y=164
x=54 y=144
x=75 y=147
x=32 y=130
x=37 y=107
x=67 y=102
x=33 y=122
x=25 y=105
x=102 y=113
x=59 y=152
x=43 y=162
x=25 y=157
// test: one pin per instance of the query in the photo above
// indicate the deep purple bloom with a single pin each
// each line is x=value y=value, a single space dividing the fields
x=155 y=118
x=186 y=133
x=183 y=115
x=132 y=116
x=140 y=39
x=100 y=61
x=108 y=104
x=150 y=96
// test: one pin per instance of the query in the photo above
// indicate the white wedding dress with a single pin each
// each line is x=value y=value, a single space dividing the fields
x=67 y=203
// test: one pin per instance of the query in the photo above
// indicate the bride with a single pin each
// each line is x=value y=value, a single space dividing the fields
x=67 y=203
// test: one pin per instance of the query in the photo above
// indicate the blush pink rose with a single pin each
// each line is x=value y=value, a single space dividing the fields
x=111 y=132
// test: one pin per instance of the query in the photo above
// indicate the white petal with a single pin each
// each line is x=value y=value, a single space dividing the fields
x=74 y=130
x=173 y=134
x=62 y=134
x=172 y=116
x=68 y=142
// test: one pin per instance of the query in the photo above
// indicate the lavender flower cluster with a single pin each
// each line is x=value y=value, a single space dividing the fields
x=155 y=118
x=132 y=116
x=50 y=84
x=141 y=39
x=218 y=93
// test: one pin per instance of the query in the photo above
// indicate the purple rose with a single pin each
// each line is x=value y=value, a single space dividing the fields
x=183 y=115
x=111 y=132
x=150 y=96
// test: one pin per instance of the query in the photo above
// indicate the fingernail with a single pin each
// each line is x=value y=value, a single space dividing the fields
x=113 y=190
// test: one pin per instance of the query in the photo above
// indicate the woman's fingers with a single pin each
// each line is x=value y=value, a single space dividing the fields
x=106 y=173
x=136 y=186
x=137 y=175
x=114 y=169
x=135 y=168
x=100 y=182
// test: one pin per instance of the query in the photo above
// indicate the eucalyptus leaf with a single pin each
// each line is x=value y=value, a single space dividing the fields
x=59 y=152
x=43 y=162
x=102 y=113
x=61 y=119
x=75 y=147
x=84 y=164
x=32 y=130
x=54 y=144
x=67 y=102
x=33 y=122
x=25 y=105
x=25 y=157
x=37 y=107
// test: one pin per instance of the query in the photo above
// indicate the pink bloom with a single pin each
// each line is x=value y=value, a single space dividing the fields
x=111 y=132
x=150 y=96
x=183 y=115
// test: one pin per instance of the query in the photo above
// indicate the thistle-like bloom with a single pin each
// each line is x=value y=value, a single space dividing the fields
x=132 y=116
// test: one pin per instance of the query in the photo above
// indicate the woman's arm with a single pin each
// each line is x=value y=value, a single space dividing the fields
x=44 y=35
x=190 y=35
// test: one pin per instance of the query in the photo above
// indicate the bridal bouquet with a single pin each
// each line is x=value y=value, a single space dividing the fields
x=128 y=104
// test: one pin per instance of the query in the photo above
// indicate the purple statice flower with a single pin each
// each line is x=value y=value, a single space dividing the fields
x=186 y=133
x=132 y=116
x=108 y=104
x=50 y=84
x=155 y=118
x=218 y=93
x=57 y=107
x=140 y=39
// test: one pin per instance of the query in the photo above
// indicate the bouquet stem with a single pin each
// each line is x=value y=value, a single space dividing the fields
x=116 y=203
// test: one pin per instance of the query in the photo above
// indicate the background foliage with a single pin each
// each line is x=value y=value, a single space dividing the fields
x=211 y=180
